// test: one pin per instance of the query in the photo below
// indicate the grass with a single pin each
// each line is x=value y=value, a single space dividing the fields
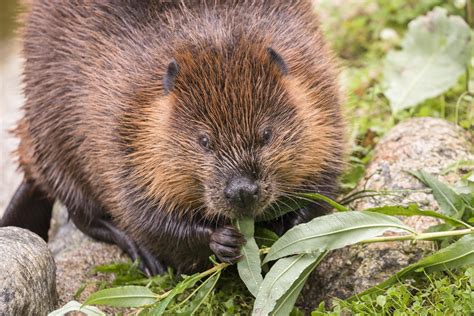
x=449 y=293
x=436 y=294
x=230 y=297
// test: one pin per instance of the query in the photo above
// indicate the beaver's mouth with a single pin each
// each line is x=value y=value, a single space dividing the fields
x=219 y=206
x=255 y=212
x=228 y=213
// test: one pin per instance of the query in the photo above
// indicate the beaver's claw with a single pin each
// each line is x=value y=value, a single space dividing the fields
x=226 y=243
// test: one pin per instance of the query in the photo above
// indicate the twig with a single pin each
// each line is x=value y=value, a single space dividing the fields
x=421 y=236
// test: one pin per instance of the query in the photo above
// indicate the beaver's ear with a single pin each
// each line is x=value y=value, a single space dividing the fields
x=170 y=76
x=278 y=60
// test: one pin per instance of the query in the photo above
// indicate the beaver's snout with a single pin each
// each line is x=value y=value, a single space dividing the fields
x=242 y=193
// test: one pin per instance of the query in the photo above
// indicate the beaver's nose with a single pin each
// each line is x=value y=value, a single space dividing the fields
x=242 y=193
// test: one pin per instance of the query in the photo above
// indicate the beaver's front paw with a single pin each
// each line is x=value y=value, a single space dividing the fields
x=226 y=242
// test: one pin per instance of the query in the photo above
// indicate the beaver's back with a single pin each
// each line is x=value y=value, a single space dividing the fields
x=79 y=66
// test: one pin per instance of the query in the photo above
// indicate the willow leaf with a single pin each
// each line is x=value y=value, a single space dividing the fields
x=333 y=231
x=320 y=197
x=204 y=290
x=414 y=210
x=280 y=279
x=188 y=282
x=124 y=296
x=285 y=304
x=74 y=306
x=265 y=237
x=249 y=266
x=449 y=201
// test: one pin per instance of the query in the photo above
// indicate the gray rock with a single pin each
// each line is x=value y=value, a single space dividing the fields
x=27 y=274
x=422 y=143
x=76 y=255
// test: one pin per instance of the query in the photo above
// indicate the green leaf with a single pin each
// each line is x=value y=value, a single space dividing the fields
x=125 y=296
x=159 y=308
x=351 y=178
x=265 y=237
x=435 y=52
x=438 y=228
x=320 y=197
x=282 y=282
x=460 y=253
x=381 y=300
x=288 y=205
x=413 y=210
x=459 y=165
x=118 y=268
x=282 y=207
x=449 y=201
x=249 y=267
x=74 y=306
x=333 y=231
x=202 y=293
x=286 y=303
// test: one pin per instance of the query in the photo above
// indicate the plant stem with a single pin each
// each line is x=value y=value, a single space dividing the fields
x=470 y=14
x=217 y=268
x=162 y=296
x=470 y=21
x=421 y=236
x=443 y=106
x=458 y=103
x=355 y=195
x=192 y=294
x=364 y=196
x=317 y=196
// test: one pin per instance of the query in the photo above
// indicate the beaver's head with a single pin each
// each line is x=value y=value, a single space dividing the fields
x=237 y=129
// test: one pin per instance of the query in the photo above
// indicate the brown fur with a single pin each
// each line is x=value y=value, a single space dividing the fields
x=100 y=133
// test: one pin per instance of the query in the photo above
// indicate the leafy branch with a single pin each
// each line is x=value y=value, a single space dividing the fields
x=299 y=251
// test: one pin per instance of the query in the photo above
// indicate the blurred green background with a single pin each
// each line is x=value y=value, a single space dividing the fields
x=7 y=18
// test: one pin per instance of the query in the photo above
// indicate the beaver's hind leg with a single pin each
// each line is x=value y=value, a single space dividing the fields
x=29 y=208
x=103 y=229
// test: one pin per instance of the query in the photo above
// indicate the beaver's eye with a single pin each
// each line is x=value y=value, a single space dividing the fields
x=204 y=142
x=266 y=135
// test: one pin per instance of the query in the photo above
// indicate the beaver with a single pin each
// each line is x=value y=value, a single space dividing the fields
x=158 y=123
